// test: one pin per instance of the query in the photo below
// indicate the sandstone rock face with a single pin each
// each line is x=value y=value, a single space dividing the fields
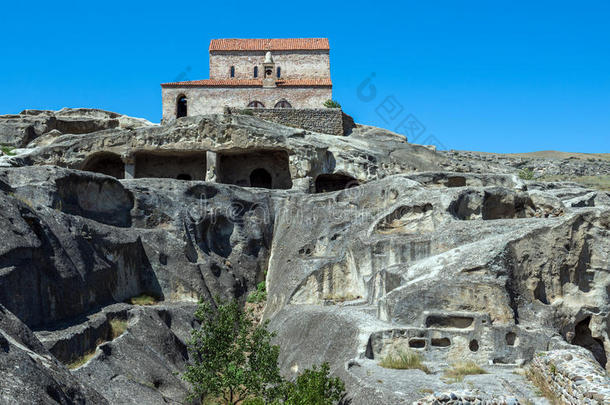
x=452 y=257
x=31 y=375
x=21 y=129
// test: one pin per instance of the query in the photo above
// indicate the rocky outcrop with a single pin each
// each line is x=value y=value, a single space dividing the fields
x=482 y=272
x=30 y=374
x=449 y=257
x=39 y=127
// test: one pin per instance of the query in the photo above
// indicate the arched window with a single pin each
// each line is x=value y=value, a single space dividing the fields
x=181 y=107
x=256 y=104
x=232 y=71
x=283 y=104
x=279 y=71
x=255 y=71
x=260 y=178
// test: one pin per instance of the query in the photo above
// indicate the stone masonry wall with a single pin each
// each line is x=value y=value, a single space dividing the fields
x=293 y=64
x=573 y=375
x=212 y=100
x=324 y=120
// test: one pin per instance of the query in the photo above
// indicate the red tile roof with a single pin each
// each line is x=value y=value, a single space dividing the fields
x=250 y=83
x=269 y=44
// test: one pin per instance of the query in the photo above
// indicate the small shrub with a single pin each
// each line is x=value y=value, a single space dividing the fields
x=259 y=295
x=331 y=104
x=142 y=299
x=117 y=327
x=526 y=174
x=247 y=112
x=7 y=150
x=403 y=359
x=461 y=369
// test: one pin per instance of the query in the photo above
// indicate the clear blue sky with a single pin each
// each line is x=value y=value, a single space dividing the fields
x=498 y=76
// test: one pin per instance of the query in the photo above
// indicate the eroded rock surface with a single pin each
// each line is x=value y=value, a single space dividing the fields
x=368 y=245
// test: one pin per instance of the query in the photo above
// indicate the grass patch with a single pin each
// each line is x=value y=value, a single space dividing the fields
x=142 y=299
x=403 y=359
x=542 y=387
x=597 y=182
x=259 y=295
x=117 y=327
x=81 y=360
x=7 y=150
x=459 y=370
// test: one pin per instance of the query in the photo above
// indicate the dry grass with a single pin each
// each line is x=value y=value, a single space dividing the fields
x=554 y=154
x=143 y=299
x=543 y=387
x=459 y=370
x=596 y=182
x=117 y=327
x=403 y=359
x=81 y=360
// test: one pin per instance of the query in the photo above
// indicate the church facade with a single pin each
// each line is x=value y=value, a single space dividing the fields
x=255 y=73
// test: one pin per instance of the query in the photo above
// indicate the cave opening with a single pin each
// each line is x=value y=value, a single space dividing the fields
x=107 y=163
x=334 y=182
x=584 y=338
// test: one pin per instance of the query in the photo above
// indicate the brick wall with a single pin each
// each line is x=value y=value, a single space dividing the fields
x=573 y=376
x=211 y=100
x=324 y=120
x=293 y=64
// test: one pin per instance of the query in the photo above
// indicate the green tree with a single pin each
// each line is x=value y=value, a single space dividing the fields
x=315 y=387
x=231 y=357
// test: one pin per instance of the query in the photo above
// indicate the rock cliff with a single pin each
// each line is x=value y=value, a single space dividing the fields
x=371 y=245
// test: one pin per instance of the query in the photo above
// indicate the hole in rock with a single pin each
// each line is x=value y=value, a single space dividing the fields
x=510 y=338
x=334 y=182
x=55 y=394
x=417 y=343
x=260 y=178
x=4 y=344
x=107 y=163
x=441 y=342
x=583 y=337
x=456 y=181
x=473 y=345
x=181 y=166
x=262 y=168
x=449 y=321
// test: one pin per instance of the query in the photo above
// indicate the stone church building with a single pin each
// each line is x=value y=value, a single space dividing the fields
x=255 y=73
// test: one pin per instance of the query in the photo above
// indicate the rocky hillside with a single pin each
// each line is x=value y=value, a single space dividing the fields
x=449 y=255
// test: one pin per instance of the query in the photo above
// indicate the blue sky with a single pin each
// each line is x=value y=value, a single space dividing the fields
x=501 y=76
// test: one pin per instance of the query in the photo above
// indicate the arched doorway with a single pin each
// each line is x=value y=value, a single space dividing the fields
x=184 y=176
x=260 y=178
x=107 y=163
x=181 y=107
x=256 y=104
x=283 y=104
